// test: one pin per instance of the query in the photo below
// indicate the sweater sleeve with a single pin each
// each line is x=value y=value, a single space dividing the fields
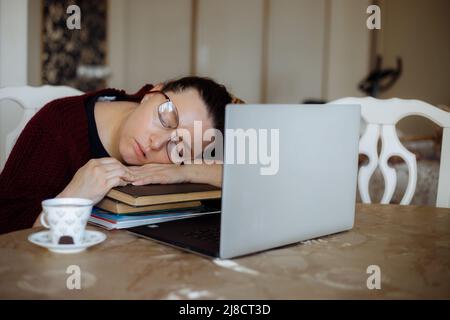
x=36 y=170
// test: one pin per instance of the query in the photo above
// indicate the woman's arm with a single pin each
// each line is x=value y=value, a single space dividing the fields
x=171 y=173
x=204 y=173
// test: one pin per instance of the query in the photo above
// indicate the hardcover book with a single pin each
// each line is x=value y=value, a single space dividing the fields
x=118 y=207
x=156 y=194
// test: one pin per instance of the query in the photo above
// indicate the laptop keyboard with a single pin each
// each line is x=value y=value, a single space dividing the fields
x=205 y=234
x=198 y=234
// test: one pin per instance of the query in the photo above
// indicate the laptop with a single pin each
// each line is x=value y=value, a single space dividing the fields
x=309 y=193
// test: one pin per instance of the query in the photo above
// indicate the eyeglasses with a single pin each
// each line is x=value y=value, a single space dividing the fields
x=167 y=112
x=168 y=116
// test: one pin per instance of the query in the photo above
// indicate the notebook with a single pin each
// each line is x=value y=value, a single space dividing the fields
x=153 y=194
x=117 y=207
x=112 y=221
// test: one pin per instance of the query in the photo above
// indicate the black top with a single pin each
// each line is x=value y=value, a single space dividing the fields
x=96 y=146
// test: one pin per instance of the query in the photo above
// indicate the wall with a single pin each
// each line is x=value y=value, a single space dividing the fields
x=348 y=52
x=146 y=43
x=13 y=47
x=229 y=44
x=295 y=50
x=19 y=57
x=13 y=62
x=419 y=32
x=34 y=42
x=263 y=50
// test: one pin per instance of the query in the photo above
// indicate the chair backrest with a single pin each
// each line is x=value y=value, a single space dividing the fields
x=31 y=99
x=381 y=116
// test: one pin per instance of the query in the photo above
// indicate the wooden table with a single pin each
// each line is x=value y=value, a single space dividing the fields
x=411 y=246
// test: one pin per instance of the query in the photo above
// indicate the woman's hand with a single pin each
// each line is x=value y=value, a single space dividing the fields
x=96 y=178
x=172 y=173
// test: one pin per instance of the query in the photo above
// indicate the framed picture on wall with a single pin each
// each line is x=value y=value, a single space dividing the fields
x=74 y=52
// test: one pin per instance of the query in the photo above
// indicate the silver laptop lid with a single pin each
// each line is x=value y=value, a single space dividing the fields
x=309 y=193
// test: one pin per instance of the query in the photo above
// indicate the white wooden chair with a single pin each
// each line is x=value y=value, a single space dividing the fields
x=381 y=116
x=31 y=99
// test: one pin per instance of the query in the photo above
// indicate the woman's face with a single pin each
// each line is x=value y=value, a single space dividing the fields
x=143 y=139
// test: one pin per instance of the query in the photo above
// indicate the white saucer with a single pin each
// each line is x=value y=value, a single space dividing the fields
x=90 y=238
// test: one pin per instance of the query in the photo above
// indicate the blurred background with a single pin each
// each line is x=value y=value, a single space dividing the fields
x=264 y=51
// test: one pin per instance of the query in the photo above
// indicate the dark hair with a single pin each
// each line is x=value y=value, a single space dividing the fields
x=214 y=95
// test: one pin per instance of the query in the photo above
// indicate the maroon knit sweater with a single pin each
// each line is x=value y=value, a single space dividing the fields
x=51 y=148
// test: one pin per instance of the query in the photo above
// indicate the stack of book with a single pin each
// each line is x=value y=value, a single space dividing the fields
x=131 y=206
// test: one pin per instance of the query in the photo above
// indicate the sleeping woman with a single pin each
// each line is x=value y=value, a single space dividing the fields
x=82 y=146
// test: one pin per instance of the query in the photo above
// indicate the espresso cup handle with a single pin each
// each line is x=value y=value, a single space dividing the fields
x=43 y=222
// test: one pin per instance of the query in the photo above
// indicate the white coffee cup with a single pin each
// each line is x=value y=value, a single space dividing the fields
x=66 y=217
